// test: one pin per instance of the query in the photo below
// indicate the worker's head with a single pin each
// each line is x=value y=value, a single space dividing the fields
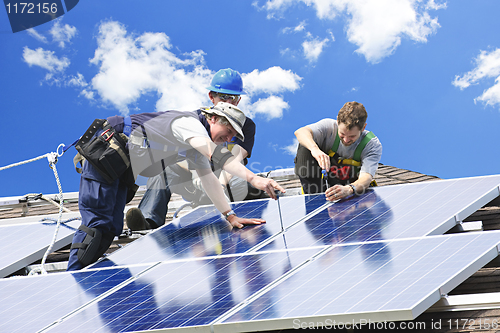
x=226 y=121
x=226 y=86
x=351 y=122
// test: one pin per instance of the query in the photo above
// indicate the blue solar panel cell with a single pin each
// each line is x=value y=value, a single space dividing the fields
x=203 y=232
x=22 y=244
x=392 y=212
x=185 y=294
x=349 y=259
x=359 y=281
x=31 y=303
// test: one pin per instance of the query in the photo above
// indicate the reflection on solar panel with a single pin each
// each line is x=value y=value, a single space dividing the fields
x=367 y=258
x=31 y=303
x=392 y=212
x=393 y=280
x=23 y=244
x=377 y=281
x=203 y=232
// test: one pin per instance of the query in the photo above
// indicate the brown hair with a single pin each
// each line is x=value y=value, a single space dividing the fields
x=221 y=120
x=352 y=114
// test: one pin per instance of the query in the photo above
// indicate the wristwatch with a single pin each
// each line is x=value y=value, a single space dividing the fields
x=353 y=188
x=231 y=212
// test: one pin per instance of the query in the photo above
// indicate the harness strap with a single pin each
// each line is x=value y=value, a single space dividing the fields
x=356 y=159
x=127 y=127
x=362 y=145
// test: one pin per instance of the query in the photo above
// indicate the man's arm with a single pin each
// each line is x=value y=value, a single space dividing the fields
x=337 y=192
x=214 y=191
x=305 y=137
x=239 y=154
x=206 y=147
x=369 y=163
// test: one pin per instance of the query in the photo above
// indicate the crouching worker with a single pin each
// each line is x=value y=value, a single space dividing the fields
x=155 y=140
x=341 y=151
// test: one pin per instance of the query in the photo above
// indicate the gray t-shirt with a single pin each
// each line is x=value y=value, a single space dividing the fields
x=324 y=132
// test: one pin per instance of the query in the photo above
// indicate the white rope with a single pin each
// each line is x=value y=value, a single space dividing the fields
x=24 y=162
x=52 y=157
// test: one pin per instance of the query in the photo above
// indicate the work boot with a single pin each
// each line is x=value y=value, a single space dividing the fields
x=136 y=221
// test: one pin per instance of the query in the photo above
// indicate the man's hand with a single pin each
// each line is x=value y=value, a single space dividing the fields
x=338 y=192
x=306 y=138
x=322 y=158
x=267 y=185
x=239 y=222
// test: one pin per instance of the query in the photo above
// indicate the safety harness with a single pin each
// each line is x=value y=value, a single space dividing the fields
x=347 y=168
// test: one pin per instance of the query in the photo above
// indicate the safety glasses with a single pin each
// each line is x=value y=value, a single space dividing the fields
x=229 y=98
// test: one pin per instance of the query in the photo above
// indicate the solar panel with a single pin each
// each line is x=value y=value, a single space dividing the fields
x=391 y=212
x=391 y=280
x=203 y=232
x=377 y=281
x=31 y=303
x=24 y=243
x=371 y=257
x=208 y=288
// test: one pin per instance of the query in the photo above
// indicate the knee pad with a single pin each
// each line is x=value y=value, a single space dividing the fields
x=88 y=250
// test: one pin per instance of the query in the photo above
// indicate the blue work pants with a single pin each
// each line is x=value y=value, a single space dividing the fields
x=101 y=206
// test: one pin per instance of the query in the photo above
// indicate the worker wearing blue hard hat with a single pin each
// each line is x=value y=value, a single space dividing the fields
x=225 y=86
x=155 y=141
x=227 y=81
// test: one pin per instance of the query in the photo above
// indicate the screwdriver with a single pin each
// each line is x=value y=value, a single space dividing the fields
x=325 y=177
x=279 y=207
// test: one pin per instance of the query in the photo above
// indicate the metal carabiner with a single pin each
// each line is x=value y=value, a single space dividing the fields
x=61 y=146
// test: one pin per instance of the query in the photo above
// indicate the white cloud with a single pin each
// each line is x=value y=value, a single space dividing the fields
x=487 y=66
x=273 y=80
x=45 y=59
x=270 y=107
x=298 y=28
x=33 y=33
x=292 y=148
x=79 y=81
x=376 y=27
x=313 y=48
x=62 y=34
x=132 y=66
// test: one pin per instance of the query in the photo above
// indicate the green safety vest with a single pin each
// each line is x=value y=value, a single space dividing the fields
x=355 y=161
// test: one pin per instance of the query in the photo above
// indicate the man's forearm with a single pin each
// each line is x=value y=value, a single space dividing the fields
x=305 y=137
x=363 y=182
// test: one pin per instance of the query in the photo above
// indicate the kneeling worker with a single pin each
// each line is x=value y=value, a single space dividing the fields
x=343 y=148
x=155 y=140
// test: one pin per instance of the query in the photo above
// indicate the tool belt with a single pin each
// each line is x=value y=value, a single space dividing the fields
x=106 y=151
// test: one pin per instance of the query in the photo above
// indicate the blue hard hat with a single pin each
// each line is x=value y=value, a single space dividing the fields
x=227 y=81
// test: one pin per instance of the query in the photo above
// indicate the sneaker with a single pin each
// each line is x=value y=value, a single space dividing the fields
x=136 y=221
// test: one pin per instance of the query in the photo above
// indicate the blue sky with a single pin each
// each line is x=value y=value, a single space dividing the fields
x=428 y=73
